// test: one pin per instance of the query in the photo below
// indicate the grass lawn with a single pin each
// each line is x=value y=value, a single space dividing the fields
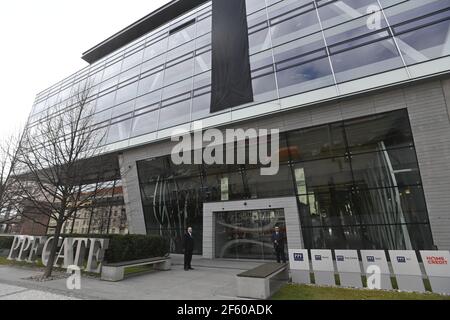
x=306 y=292
x=5 y=262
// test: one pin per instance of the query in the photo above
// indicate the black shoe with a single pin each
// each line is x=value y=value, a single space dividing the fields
x=190 y=268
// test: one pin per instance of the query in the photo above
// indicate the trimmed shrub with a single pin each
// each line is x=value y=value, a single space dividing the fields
x=135 y=247
x=6 y=243
x=130 y=247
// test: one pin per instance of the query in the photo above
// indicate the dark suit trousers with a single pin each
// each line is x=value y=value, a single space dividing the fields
x=187 y=258
x=279 y=250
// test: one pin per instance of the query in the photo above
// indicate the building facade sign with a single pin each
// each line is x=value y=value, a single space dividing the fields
x=349 y=268
x=377 y=258
x=71 y=251
x=407 y=270
x=299 y=265
x=323 y=266
x=437 y=267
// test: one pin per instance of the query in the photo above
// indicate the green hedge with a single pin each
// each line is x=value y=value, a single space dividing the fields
x=130 y=247
x=6 y=242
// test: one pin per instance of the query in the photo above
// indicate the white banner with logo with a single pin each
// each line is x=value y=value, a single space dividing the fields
x=375 y=263
x=407 y=270
x=323 y=267
x=299 y=264
x=437 y=267
x=349 y=268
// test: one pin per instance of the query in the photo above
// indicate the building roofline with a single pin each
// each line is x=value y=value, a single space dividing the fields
x=139 y=28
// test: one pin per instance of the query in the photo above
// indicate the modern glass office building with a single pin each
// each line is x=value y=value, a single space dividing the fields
x=359 y=89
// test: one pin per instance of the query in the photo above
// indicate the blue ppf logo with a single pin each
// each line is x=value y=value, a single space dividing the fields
x=298 y=257
x=401 y=259
x=339 y=258
x=318 y=258
x=370 y=259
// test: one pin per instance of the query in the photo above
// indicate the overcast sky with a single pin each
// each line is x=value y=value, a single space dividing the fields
x=42 y=43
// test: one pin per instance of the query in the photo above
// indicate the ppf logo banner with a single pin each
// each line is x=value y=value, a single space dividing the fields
x=214 y=147
x=298 y=257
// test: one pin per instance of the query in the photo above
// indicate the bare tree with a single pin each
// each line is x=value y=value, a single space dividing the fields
x=8 y=190
x=59 y=168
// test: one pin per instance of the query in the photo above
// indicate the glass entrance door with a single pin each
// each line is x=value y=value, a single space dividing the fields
x=247 y=234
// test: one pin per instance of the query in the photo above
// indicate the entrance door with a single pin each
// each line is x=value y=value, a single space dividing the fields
x=247 y=234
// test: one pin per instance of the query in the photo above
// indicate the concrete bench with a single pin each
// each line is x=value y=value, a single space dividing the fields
x=263 y=281
x=116 y=271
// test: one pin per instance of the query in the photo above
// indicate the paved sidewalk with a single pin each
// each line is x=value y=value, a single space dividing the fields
x=10 y=292
x=211 y=280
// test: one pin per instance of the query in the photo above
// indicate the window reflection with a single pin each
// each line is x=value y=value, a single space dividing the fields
x=365 y=61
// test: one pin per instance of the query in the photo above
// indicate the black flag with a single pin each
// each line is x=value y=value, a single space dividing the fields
x=231 y=78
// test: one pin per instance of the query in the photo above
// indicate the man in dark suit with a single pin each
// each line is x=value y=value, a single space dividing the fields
x=188 y=249
x=278 y=240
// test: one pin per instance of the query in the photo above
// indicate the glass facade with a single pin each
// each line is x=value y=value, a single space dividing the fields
x=357 y=183
x=164 y=78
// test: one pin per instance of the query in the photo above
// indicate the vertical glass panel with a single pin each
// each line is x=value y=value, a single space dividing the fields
x=123 y=109
x=366 y=60
x=259 y=41
x=155 y=49
x=184 y=35
x=201 y=106
x=409 y=10
x=102 y=116
x=204 y=26
x=145 y=123
x=203 y=62
x=316 y=143
x=264 y=88
x=112 y=70
x=254 y=5
x=126 y=93
x=327 y=174
x=355 y=29
x=261 y=186
x=179 y=71
x=150 y=83
x=177 y=89
x=304 y=77
x=386 y=169
x=156 y=64
x=148 y=99
x=426 y=43
x=385 y=131
x=337 y=12
x=132 y=60
x=130 y=73
x=295 y=27
x=105 y=102
x=175 y=114
x=108 y=84
x=119 y=131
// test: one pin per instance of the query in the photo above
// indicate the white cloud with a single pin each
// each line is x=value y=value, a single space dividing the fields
x=42 y=43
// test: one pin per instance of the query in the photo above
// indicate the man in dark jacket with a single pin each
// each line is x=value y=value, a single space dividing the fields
x=188 y=249
x=278 y=240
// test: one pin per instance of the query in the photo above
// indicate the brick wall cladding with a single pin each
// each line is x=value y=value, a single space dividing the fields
x=428 y=105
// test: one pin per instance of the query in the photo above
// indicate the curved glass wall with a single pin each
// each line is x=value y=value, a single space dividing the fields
x=357 y=183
